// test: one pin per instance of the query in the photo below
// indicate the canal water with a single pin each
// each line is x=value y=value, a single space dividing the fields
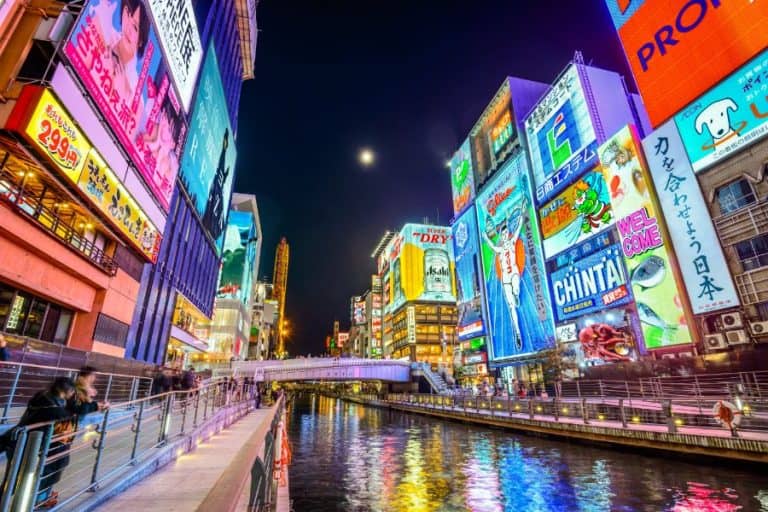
x=348 y=457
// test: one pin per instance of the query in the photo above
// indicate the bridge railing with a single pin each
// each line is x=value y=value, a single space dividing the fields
x=695 y=416
x=105 y=444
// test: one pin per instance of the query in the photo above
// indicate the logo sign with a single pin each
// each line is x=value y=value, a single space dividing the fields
x=579 y=212
x=208 y=164
x=680 y=48
x=177 y=30
x=590 y=284
x=651 y=276
x=729 y=117
x=123 y=70
x=566 y=333
x=519 y=314
x=46 y=124
x=561 y=137
x=411 y=314
x=468 y=276
x=462 y=178
x=702 y=263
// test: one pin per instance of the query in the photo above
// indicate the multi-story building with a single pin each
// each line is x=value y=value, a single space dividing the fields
x=280 y=290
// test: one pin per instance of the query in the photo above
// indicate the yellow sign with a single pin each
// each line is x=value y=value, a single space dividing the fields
x=102 y=187
x=52 y=130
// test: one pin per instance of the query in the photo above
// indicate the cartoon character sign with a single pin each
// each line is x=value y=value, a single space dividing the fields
x=462 y=178
x=519 y=313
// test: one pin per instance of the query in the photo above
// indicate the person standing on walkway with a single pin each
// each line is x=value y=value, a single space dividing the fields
x=5 y=354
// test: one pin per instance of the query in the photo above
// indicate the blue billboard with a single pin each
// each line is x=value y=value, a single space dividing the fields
x=729 y=117
x=238 y=258
x=208 y=164
x=519 y=314
x=590 y=283
x=468 y=276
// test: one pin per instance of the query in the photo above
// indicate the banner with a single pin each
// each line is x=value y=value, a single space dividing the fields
x=561 y=138
x=645 y=249
x=114 y=51
x=469 y=292
x=579 y=212
x=705 y=271
x=519 y=315
x=462 y=178
x=729 y=117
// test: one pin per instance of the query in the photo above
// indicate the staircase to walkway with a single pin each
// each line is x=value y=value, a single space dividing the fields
x=434 y=379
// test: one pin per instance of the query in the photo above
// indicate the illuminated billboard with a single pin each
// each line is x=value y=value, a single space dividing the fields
x=124 y=73
x=178 y=33
x=590 y=283
x=606 y=336
x=421 y=265
x=494 y=137
x=705 y=271
x=358 y=311
x=652 y=277
x=462 y=178
x=469 y=291
x=519 y=316
x=560 y=136
x=727 y=118
x=678 y=49
x=582 y=210
x=238 y=258
x=45 y=124
x=208 y=164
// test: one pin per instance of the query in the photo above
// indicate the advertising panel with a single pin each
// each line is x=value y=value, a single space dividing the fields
x=45 y=124
x=561 y=138
x=651 y=275
x=462 y=178
x=125 y=74
x=178 y=33
x=494 y=137
x=520 y=320
x=727 y=118
x=422 y=265
x=705 y=272
x=602 y=337
x=589 y=284
x=358 y=314
x=469 y=292
x=678 y=49
x=579 y=212
x=208 y=164
x=238 y=258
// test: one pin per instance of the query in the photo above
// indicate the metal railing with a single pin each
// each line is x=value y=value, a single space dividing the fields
x=694 y=416
x=19 y=382
x=104 y=445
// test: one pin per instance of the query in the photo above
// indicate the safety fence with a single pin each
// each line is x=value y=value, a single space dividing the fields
x=57 y=469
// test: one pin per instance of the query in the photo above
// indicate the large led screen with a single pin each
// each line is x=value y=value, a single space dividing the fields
x=494 y=138
x=561 y=138
x=115 y=53
x=519 y=315
x=705 y=271
x=680 y=48
x=582 y=210
x=727 y=118
x=422 y=265
x=238 y=257
x=462 y=178
x=651 y=275
x=208 y=164
x=469 y=288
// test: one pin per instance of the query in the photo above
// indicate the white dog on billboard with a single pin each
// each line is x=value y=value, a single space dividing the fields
x=716 y=118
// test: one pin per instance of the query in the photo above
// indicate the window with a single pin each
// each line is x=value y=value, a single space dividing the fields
x=762 y=311
x=111 y=331
x=753 y=253
x=735 y=195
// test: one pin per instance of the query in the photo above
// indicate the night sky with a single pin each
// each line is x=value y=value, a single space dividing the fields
x=408 y=79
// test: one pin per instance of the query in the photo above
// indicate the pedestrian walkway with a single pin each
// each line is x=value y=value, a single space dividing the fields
x=187 y=483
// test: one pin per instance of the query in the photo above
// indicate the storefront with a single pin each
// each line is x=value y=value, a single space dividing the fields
x=25 y=314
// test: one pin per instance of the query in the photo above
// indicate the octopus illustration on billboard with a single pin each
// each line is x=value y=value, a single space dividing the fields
x=115 y=52
x=519 y=314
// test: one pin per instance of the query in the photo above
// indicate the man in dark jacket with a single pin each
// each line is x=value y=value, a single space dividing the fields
x=44 y=407
x=188 y=381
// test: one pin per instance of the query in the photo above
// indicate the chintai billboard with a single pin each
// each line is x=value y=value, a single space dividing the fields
x=469 y=281
x=519 y=315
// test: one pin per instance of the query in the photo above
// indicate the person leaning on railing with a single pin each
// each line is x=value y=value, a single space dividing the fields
x=83 y=402
x=46 y=407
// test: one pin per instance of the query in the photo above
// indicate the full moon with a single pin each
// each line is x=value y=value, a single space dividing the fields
x=366 y=157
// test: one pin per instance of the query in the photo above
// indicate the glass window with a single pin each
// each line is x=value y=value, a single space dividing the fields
x=18 y=313
x=753 y=253
x=6 y=298
x=735 y=195
x=762 y=311
x=35 y=318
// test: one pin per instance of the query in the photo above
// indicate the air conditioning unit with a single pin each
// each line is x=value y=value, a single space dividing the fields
x=737 y=337
x=759 y=328
x=732 y=320
x=714 y=342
